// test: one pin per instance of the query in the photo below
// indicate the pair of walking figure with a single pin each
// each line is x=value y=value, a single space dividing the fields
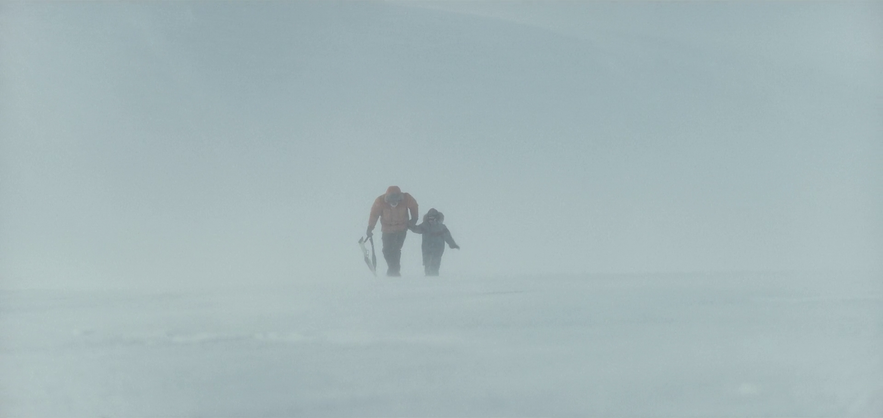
x=398 y=214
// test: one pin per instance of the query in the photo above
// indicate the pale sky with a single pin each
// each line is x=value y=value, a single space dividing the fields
x=201 y=141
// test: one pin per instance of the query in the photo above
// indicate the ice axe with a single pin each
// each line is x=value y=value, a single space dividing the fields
x=372 y=263
x=373 y=256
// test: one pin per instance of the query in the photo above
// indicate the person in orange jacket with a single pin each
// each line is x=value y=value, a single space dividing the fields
x=397 y=211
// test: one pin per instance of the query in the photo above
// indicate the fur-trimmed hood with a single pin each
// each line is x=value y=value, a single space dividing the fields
x=432 y=213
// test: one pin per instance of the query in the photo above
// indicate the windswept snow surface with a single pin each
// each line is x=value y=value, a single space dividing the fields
x=631 y=345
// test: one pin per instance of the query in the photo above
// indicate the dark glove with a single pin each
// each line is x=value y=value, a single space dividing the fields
x=369 y=234
x=412 y=222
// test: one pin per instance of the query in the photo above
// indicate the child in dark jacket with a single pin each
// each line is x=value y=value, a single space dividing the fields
x=435 y=235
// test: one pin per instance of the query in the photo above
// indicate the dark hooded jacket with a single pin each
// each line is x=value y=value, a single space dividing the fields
x=434 y=235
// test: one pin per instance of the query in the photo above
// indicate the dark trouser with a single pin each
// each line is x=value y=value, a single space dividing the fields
x=392 y=251
x=432 y=260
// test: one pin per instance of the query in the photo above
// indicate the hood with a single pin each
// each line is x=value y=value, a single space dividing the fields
x=432 y=213
x=393 y=195
x=393 y=190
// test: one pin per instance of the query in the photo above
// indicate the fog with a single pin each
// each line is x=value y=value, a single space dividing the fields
x=664 y=208
x=206 y=142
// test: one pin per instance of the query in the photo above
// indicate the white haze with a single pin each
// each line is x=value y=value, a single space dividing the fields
x=207 y=142
x=664 y=208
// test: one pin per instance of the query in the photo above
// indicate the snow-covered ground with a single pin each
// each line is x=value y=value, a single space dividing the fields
x=747 y=344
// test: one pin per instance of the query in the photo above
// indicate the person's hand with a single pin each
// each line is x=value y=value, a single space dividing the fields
x=369 y=234
x=455 y=247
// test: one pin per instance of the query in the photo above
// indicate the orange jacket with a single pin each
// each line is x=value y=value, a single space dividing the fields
x=393 y=219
